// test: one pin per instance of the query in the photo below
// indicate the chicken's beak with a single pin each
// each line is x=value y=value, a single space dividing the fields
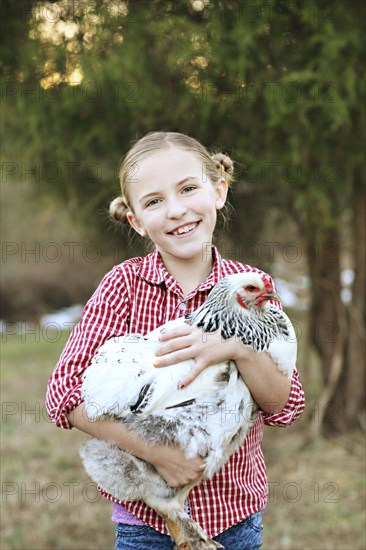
x=271 y=295
x=266 y=296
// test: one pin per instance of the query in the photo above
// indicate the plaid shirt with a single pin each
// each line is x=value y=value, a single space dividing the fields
x=138 y=296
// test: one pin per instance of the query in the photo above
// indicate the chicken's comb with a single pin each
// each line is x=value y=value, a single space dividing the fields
x=268 y=283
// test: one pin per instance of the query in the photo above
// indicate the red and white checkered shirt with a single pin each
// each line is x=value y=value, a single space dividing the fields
x=138 y=296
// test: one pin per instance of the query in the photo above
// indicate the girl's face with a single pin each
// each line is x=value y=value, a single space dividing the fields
x=174 y=203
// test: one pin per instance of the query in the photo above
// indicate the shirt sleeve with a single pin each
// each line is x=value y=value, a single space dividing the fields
x=105 y=315
x=293 y=408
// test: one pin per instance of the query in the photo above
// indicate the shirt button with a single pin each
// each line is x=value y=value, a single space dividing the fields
x=182 y=306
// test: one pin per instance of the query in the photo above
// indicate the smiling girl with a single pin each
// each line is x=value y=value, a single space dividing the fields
x=171 y=192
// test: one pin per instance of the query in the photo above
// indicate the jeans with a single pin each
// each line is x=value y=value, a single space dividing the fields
x=246 y=535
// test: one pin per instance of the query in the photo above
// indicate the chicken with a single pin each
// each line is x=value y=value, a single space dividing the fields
x=210 y=417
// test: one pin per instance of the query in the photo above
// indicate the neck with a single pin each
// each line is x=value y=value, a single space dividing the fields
x=188 y=273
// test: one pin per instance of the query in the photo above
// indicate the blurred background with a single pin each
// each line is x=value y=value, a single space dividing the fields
x=277 y=85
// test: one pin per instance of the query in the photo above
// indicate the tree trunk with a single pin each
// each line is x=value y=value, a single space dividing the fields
x=324 y=267
x=327 y=321
x=337 y=332
x=351 y=390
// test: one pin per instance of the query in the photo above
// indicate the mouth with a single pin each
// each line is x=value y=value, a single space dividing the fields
x=184 y=229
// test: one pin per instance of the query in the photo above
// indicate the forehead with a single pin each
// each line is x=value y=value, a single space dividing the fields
x=169 y=166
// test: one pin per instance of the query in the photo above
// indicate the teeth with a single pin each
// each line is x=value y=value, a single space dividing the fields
x=184 y=229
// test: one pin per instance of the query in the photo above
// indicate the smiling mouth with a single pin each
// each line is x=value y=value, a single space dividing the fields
x=184 y=229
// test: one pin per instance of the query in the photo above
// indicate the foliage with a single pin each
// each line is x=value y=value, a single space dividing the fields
x=279 y=85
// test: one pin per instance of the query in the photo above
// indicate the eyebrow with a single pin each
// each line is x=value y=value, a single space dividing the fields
x=144 y=197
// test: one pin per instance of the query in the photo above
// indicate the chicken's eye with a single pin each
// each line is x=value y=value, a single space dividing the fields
x=251 y=288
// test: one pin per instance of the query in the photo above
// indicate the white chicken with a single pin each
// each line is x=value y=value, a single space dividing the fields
x=123 y=384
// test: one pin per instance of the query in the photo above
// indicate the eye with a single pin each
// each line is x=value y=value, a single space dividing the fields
x=251 y=288
x=152 y=202
x=188 y=189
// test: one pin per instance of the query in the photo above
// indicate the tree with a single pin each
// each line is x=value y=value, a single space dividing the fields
x=289 y=75
x=279 y=81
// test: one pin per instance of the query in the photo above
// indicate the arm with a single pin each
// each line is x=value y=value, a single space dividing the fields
x=170 y=462
x=293 y=408
x=106 y=315
x=281 y=400
x=269 y=387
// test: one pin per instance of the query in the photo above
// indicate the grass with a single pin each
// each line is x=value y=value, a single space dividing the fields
x=316 y=498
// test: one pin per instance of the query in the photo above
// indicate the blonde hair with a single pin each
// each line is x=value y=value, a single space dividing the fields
x=217 y=166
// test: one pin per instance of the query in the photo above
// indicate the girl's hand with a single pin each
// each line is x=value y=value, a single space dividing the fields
x=268 y=386
x=190 y=342
x=174 y=467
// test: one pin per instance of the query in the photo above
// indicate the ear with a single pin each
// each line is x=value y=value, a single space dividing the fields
x=136 y=224
x=221 y=190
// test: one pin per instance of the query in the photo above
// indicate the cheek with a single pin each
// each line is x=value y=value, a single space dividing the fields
x=152 y=222
x=205 y=204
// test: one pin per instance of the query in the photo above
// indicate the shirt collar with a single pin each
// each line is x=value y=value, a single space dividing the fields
x=153 y=270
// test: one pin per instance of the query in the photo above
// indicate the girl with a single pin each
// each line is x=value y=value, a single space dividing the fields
x=172 y=190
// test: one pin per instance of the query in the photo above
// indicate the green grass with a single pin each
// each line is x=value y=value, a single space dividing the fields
x=48 y=502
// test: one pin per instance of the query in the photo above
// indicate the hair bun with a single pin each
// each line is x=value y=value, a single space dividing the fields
x=223 y=162
x=118 y=210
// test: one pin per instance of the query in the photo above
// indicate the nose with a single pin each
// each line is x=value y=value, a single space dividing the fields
x=175 y=208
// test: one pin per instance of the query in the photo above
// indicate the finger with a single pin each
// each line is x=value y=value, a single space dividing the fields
x=192 y=375
x=174 y=357
x=173 y=345
x=175 y=333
